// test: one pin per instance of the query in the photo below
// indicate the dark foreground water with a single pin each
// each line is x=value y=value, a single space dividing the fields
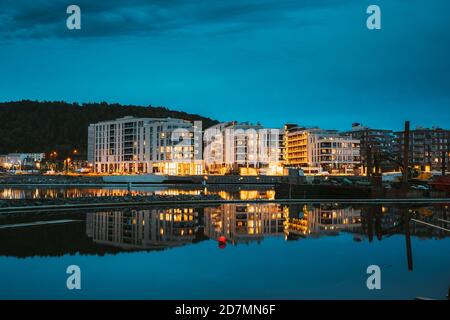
x=273 y=251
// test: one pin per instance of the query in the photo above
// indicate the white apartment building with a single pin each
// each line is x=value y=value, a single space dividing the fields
x=144 y=145
x=316 y=150
x=249 y=149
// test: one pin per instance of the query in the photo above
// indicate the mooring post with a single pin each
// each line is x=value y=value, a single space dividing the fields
x=405 y=157
x=378 y=210
x=370 y=224
x=406 y=217
x=369 y=166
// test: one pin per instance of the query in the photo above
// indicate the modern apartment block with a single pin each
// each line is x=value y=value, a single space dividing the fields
x=242 y=148
x=427 y=147
x=315 y=150
x=376 y=146
x=144 y=145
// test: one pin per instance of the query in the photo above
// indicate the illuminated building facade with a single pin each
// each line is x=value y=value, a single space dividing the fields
x=144 y=145
x=21 y=160
x=316 y=150
x=376 y=145
x=242 y=148
x=427 y=147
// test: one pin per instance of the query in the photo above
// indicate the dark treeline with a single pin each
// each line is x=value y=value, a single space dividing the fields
x=33 y=126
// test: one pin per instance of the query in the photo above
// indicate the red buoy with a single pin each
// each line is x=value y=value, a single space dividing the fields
x=222 y=240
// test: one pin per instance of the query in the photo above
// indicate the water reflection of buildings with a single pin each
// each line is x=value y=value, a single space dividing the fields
x=324 y=219
x=147 y=228
x=227 y=193
x=363 y=221
x=383 y=221
x=244 y=222
x=66 y=192
x=143 y=228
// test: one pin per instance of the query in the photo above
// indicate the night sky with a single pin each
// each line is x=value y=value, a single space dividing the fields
x=311 y=62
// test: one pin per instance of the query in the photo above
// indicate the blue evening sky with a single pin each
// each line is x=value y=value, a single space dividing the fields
x=311 y=62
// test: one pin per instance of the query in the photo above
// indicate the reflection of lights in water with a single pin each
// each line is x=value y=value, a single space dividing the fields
x=270 y=194
x=324 y=218
x=70 y=193
x=244 y=222
x=224 y=195
x=249 y=195
x=161 y=227
x=239 y=223
x=177 y=192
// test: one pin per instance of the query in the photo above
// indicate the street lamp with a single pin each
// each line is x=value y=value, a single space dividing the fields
x=67 y=164
x=53 y=156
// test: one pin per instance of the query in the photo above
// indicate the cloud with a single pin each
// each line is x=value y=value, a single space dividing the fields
x=46 y=18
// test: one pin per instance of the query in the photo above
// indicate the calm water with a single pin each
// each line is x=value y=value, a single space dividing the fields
x=241 y=192
x=300 y=251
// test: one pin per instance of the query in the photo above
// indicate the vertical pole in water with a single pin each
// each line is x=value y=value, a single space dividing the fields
x=129 y=188
x=406 y=218
x=378 y=229
x=405 y=157
x=370 y=224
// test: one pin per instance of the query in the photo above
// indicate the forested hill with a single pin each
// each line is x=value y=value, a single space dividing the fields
x=32 y=126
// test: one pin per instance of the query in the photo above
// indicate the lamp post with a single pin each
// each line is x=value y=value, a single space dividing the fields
x=53 y=156
x=74 y=158
x=67 y=162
